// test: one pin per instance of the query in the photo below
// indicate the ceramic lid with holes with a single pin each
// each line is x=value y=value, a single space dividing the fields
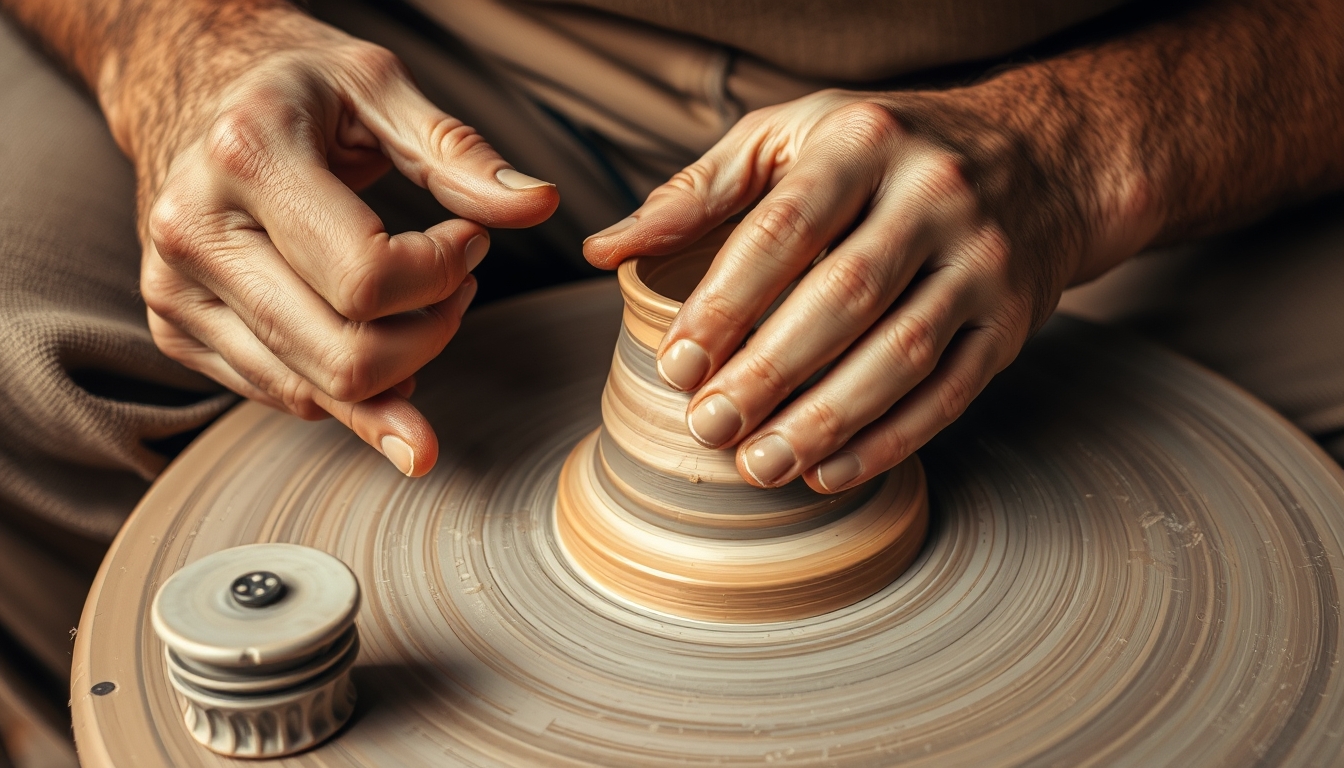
x=255 y=605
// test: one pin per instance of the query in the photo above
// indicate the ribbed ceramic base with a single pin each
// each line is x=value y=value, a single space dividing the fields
x=269 y=724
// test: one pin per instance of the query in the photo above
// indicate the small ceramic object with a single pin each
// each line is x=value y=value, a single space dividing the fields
x=258 y=642
x=648 y=515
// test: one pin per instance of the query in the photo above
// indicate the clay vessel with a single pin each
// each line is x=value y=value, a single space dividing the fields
x=650 y=516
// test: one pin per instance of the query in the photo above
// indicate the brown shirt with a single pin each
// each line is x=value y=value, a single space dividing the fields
x=662 y=80
x=857 y=40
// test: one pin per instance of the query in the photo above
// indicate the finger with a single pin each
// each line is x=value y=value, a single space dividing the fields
x=187 y=350
x=347 y=360
x=235 y=358
x=389 y=423
x=326 y=233
x=441 y=153
x=723 y=182
x=885 y=364
x=772 y=246
x=759 y=150
x=972 y=360
x=833 y=304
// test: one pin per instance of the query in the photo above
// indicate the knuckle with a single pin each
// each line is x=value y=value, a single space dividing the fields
x=454 y=139
x=274 y=328
x=856 y=286
x=172 y=228
x=827 y=425
x=285 y=387
x=297 y=395
x=779 y=225
x=277 y=385
x=1006 y=337
x=695 y=181
x=914 y=340
x=714 y=311
x=359 y=290
x=706 y=191
x=236 y=142
x=351 y=373
x=453 y=142
x=941 y=177
x=1015 y=322
x=158 y=288
x=954 y=395
x=769 y=376
x=868 y=123
x=376 y=63
x=891 y=446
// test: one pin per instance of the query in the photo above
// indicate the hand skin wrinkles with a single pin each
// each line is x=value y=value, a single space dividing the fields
x=1180 y=128
x=157 y=66
x=250 y=124
x=1184 y=127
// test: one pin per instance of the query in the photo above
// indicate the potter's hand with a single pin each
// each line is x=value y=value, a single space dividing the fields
x=262 y=269
x=950 y=244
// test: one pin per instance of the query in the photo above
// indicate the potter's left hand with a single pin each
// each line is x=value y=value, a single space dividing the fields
x=952 y=232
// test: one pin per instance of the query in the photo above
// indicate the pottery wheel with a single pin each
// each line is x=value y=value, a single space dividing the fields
x=1131 y=562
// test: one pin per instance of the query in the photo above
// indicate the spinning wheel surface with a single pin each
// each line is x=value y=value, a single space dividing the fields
x=1130 y=563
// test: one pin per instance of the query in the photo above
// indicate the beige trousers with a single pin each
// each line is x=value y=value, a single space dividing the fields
x=90 y=411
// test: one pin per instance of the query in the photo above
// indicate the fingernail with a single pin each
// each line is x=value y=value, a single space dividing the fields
x=399 y=453
x=835 y=472
x=515 y=180
x=684 y=365
x=715 y=421
x=626 y=223
x=475 y=251
x=465 y=294
x=405 y=388
x=769 y=459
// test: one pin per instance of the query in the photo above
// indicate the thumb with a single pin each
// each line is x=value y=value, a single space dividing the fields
x=723 y=182
x=446 y=156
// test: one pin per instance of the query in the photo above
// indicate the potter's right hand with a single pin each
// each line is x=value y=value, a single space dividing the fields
x=261 y=267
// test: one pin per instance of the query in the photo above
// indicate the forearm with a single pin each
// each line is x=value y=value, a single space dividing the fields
x=154 y=65
x=1191 y=125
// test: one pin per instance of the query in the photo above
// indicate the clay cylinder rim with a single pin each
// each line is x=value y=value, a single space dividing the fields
x=649 y=311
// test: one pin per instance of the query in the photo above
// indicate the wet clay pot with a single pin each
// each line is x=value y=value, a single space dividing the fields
x=651 y=516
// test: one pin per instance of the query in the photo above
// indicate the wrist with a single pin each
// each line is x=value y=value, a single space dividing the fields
x=160 y=75
x=1058 y=168
x=1085 y=142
